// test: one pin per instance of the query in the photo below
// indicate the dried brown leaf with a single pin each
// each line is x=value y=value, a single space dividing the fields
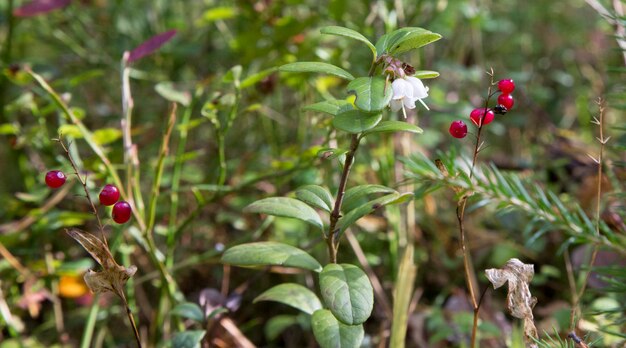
x=520 y=302
x=113 y=276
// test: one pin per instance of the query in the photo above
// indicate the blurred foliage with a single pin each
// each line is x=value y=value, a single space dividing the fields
x=563 y=55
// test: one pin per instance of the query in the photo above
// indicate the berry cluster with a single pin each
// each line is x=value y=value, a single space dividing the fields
x=484 y=116
x=109 y=195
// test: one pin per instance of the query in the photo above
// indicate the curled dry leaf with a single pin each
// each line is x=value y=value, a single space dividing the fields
x=520 y=302
x=113 y=276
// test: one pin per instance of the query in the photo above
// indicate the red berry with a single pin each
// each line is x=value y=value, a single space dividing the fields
x=485 y=114
x=121 y=212
x=109 y=195
x=506 y=100
x=506 y=86
x=55 y=178
x=458 y=129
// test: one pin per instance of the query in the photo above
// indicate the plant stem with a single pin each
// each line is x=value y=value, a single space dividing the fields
x=470 y=273
x=91 y=322
x=602 y=140
x=331 y=241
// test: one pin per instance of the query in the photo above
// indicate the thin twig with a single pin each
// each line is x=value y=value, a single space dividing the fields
x=602 y=140
x=83 y=181
x=470 y=274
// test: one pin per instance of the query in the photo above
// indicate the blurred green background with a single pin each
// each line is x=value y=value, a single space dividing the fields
x=563 y=55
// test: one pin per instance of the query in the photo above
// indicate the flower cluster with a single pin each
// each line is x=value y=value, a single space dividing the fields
x=483 y=116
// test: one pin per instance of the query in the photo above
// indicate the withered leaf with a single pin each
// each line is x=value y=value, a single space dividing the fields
x=520 y=302
x=113 y=276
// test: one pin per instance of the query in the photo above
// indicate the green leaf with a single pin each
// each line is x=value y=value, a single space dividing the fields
x=70 y=130
x=426 y=74
x=354 y=195
x=188 y=339
x=394 y=126
x=189 y=310
x=294 y=295
x=9 y=128
x=369 y=207
x=270 y=254
x=256 y=78
x=414 y=39
x=332 y=107
x=286 y=207
x=105 y=136
x=349 y=33
x=317 y=67
x=331 y=333
x=168 y=91
x=347 y=292
x=404 y=40
x=356 y=121
x=315 y=196
x=372 y=93
x=219 y=13
x=276 y=325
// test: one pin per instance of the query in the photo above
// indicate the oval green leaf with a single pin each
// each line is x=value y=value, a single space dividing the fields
x=188 y=339
x=332 y=107
x=347 y=292
x=426 y=74
x=286 y=207
x=270 y=254
x=394 y=126
x=294 y=295
x=315 y=196
x=373 y=94
x=317 y=67
x=356 y=121
x=369 y=207
x=349 y=33
x=353 y=196
x=189 y=310
x=412 y=40
x=331 y=333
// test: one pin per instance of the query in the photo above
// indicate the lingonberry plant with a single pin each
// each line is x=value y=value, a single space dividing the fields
x=347 y=297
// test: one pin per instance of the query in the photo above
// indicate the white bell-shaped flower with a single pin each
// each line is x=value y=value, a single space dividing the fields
x=406 y=91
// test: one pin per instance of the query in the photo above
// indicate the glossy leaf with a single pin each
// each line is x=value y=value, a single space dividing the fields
x=347 y=292
x=331 y=333
x=286 y=207
x=413 y=40
x=394 y=126
x=373 y=94
x=332 y=107
x=354 y=196
x=189 y=310
x=369 y=207
x=315 y=196
x=345 y=32
x=294 y=295
x=404 y=40
x=270 y=254
x=426 y=74
x=188 y=339
x=356 y=121
x=317 y=67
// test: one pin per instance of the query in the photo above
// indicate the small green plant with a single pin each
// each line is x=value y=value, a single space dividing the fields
x=346 y=295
